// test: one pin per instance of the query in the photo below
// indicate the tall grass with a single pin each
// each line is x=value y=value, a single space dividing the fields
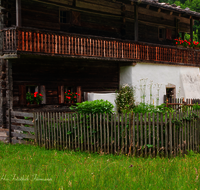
x=31 y=167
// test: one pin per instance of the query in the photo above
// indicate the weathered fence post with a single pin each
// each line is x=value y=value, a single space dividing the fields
x=9 y=126
x=170 y=134
x=35 y=127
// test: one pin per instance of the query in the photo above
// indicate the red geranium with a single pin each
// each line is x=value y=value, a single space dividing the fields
x=185 y=43
x=196 y=44
x=36 y=97
x=71 y=96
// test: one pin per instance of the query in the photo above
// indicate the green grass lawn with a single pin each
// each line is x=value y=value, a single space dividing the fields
x=31 y=167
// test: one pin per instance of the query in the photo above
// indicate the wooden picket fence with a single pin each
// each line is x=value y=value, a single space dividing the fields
x=133 y=134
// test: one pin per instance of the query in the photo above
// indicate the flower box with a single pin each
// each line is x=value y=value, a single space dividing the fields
x=179 y=46
x=71 y=97
x=69 y=104
x=32 y=105
x=33 y=99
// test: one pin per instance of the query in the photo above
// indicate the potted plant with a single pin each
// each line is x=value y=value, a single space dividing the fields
x=71 y=97
x=35 y=98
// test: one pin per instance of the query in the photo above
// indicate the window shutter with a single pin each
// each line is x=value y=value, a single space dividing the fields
x=76 y=18
x=79 y=92
x=43 y=92
x=22 y=94
x=61 y=94
x=168 y=34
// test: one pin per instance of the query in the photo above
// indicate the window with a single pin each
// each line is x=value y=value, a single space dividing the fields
x=170 y=93
x=31 y=89
x=23 y=89
x=161 y=33
x=64 y=16
x=63 y=89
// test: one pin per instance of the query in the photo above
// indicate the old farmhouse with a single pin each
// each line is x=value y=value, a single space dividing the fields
x=51 y=46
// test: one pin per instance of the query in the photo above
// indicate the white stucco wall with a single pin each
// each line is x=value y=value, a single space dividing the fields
x=185 y=79
x=104 y=96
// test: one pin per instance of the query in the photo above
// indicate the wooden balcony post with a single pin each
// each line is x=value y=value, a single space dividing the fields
x=136 y=21
x=191 y=29
x=18 y=13
x=177 y=27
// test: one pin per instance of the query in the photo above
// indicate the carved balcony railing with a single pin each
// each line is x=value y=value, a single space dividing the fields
x=24 y=40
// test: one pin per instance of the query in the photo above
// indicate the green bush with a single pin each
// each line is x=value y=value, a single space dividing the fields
x=125 y=101
x=196 y=106
x=149 y=108
x=93 y=107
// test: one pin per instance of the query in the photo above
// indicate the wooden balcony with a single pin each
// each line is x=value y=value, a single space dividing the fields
x=29 y=40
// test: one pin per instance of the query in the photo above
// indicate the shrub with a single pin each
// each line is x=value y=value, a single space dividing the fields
x=93 y=107
x=196 y=106
x=125 y=101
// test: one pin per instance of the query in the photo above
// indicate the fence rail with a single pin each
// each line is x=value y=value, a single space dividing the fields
x=176 y=103
x=21 y=127
x=60 y=43
x=132 y=134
